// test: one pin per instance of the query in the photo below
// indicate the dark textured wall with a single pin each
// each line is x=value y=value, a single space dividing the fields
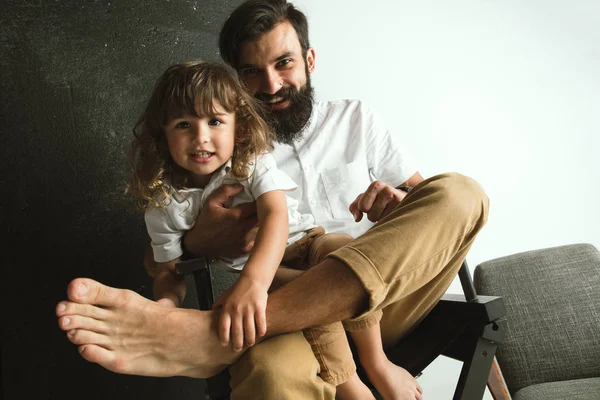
x=74 y=75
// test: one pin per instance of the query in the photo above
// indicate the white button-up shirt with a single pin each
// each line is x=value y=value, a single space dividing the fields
x=344 y=147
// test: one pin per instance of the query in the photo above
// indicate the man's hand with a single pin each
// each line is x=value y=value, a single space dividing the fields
x=222 y=231
x=377 y=201
x=243 y=316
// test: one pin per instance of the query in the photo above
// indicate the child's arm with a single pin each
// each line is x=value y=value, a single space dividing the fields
x=169 y=287
x=243 y=306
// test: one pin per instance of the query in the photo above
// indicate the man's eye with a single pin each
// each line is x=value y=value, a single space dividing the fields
x=214 y=122
x=182 y=125
x=284 y=62
x=249 y=71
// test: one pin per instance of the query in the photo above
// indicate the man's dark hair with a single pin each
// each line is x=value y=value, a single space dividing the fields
x=255 y=17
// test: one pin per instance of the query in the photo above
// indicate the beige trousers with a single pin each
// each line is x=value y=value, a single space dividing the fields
x=405 y=262
x=329 y=342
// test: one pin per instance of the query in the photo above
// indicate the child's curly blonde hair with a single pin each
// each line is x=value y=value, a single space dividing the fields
x=191 y=88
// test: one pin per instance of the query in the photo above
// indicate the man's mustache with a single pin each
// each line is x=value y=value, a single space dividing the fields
x=287 y=93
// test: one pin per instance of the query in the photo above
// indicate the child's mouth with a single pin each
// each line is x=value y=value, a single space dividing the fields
x=202 y=156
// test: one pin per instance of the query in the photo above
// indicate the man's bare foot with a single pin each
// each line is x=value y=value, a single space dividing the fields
x=393 y=382
x=353 y=389
x=129 y=334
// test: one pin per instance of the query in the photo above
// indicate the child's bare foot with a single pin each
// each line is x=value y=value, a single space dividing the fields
x=353 y=389
x=393 y=382
x=129 y=334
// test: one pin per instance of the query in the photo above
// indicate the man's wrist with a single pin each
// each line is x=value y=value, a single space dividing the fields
x=406 y=189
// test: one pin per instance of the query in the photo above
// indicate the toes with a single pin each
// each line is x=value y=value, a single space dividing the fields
x=96 y=354
x=88 y=291
x=110 y=360
x=70 y=322
x=82 y=336
x=67 y=308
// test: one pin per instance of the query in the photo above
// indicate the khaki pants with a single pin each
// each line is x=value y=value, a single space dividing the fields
x=329 y=343
x=405 y=262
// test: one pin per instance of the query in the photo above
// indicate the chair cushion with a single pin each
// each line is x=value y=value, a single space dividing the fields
x=552 y=299
x=578 y=389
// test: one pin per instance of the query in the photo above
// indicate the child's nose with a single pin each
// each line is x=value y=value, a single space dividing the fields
x=202 y=134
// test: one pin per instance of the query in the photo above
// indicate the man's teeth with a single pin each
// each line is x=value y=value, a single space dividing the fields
x=202 y=154
x=275 y=100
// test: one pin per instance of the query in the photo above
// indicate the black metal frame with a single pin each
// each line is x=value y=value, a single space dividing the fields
x=466 y=328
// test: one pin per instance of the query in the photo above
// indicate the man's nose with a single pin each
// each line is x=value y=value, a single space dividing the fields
x=271 y=82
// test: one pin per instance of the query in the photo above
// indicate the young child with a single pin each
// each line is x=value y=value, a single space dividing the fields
x=200 y=130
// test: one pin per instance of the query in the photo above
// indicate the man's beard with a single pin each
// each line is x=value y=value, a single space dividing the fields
x=288 y=122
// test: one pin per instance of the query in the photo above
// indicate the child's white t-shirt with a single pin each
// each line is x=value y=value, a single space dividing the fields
x=167 y=225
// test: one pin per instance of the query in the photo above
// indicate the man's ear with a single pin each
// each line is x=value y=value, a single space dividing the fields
x=310 y=59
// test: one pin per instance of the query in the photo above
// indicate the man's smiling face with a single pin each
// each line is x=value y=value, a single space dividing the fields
x=277 y=73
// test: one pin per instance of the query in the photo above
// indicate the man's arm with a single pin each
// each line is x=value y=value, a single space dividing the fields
x=380 y=199
x=222 y=231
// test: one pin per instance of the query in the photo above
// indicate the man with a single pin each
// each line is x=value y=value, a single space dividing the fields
x=403 y=265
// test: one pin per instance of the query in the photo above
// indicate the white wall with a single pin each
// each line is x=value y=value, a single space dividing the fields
x=507 y=92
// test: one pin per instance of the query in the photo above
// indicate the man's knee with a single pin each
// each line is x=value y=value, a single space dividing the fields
x=326 y=244
x=465 y=196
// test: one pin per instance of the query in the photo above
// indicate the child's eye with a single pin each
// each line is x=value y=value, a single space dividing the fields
x=214 y=122
x=182 y=125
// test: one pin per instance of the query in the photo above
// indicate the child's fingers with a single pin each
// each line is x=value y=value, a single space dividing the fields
x=224 y=328
x=249 y=330
x=237 y=333
x=261 y=323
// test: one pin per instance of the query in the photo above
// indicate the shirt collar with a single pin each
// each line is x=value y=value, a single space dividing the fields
x=221 y=172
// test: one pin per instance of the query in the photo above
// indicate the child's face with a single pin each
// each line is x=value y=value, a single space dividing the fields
x=201 y=145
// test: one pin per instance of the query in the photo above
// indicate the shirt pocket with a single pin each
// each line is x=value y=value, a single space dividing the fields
x=342 y=185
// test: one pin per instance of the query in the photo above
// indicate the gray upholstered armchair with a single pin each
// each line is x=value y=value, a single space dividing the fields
x=551 y=349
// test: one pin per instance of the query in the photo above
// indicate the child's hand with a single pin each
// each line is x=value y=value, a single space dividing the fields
x=243 y=317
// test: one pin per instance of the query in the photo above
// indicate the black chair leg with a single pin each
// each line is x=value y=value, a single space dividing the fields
x=476 y=350
x=200 y=295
